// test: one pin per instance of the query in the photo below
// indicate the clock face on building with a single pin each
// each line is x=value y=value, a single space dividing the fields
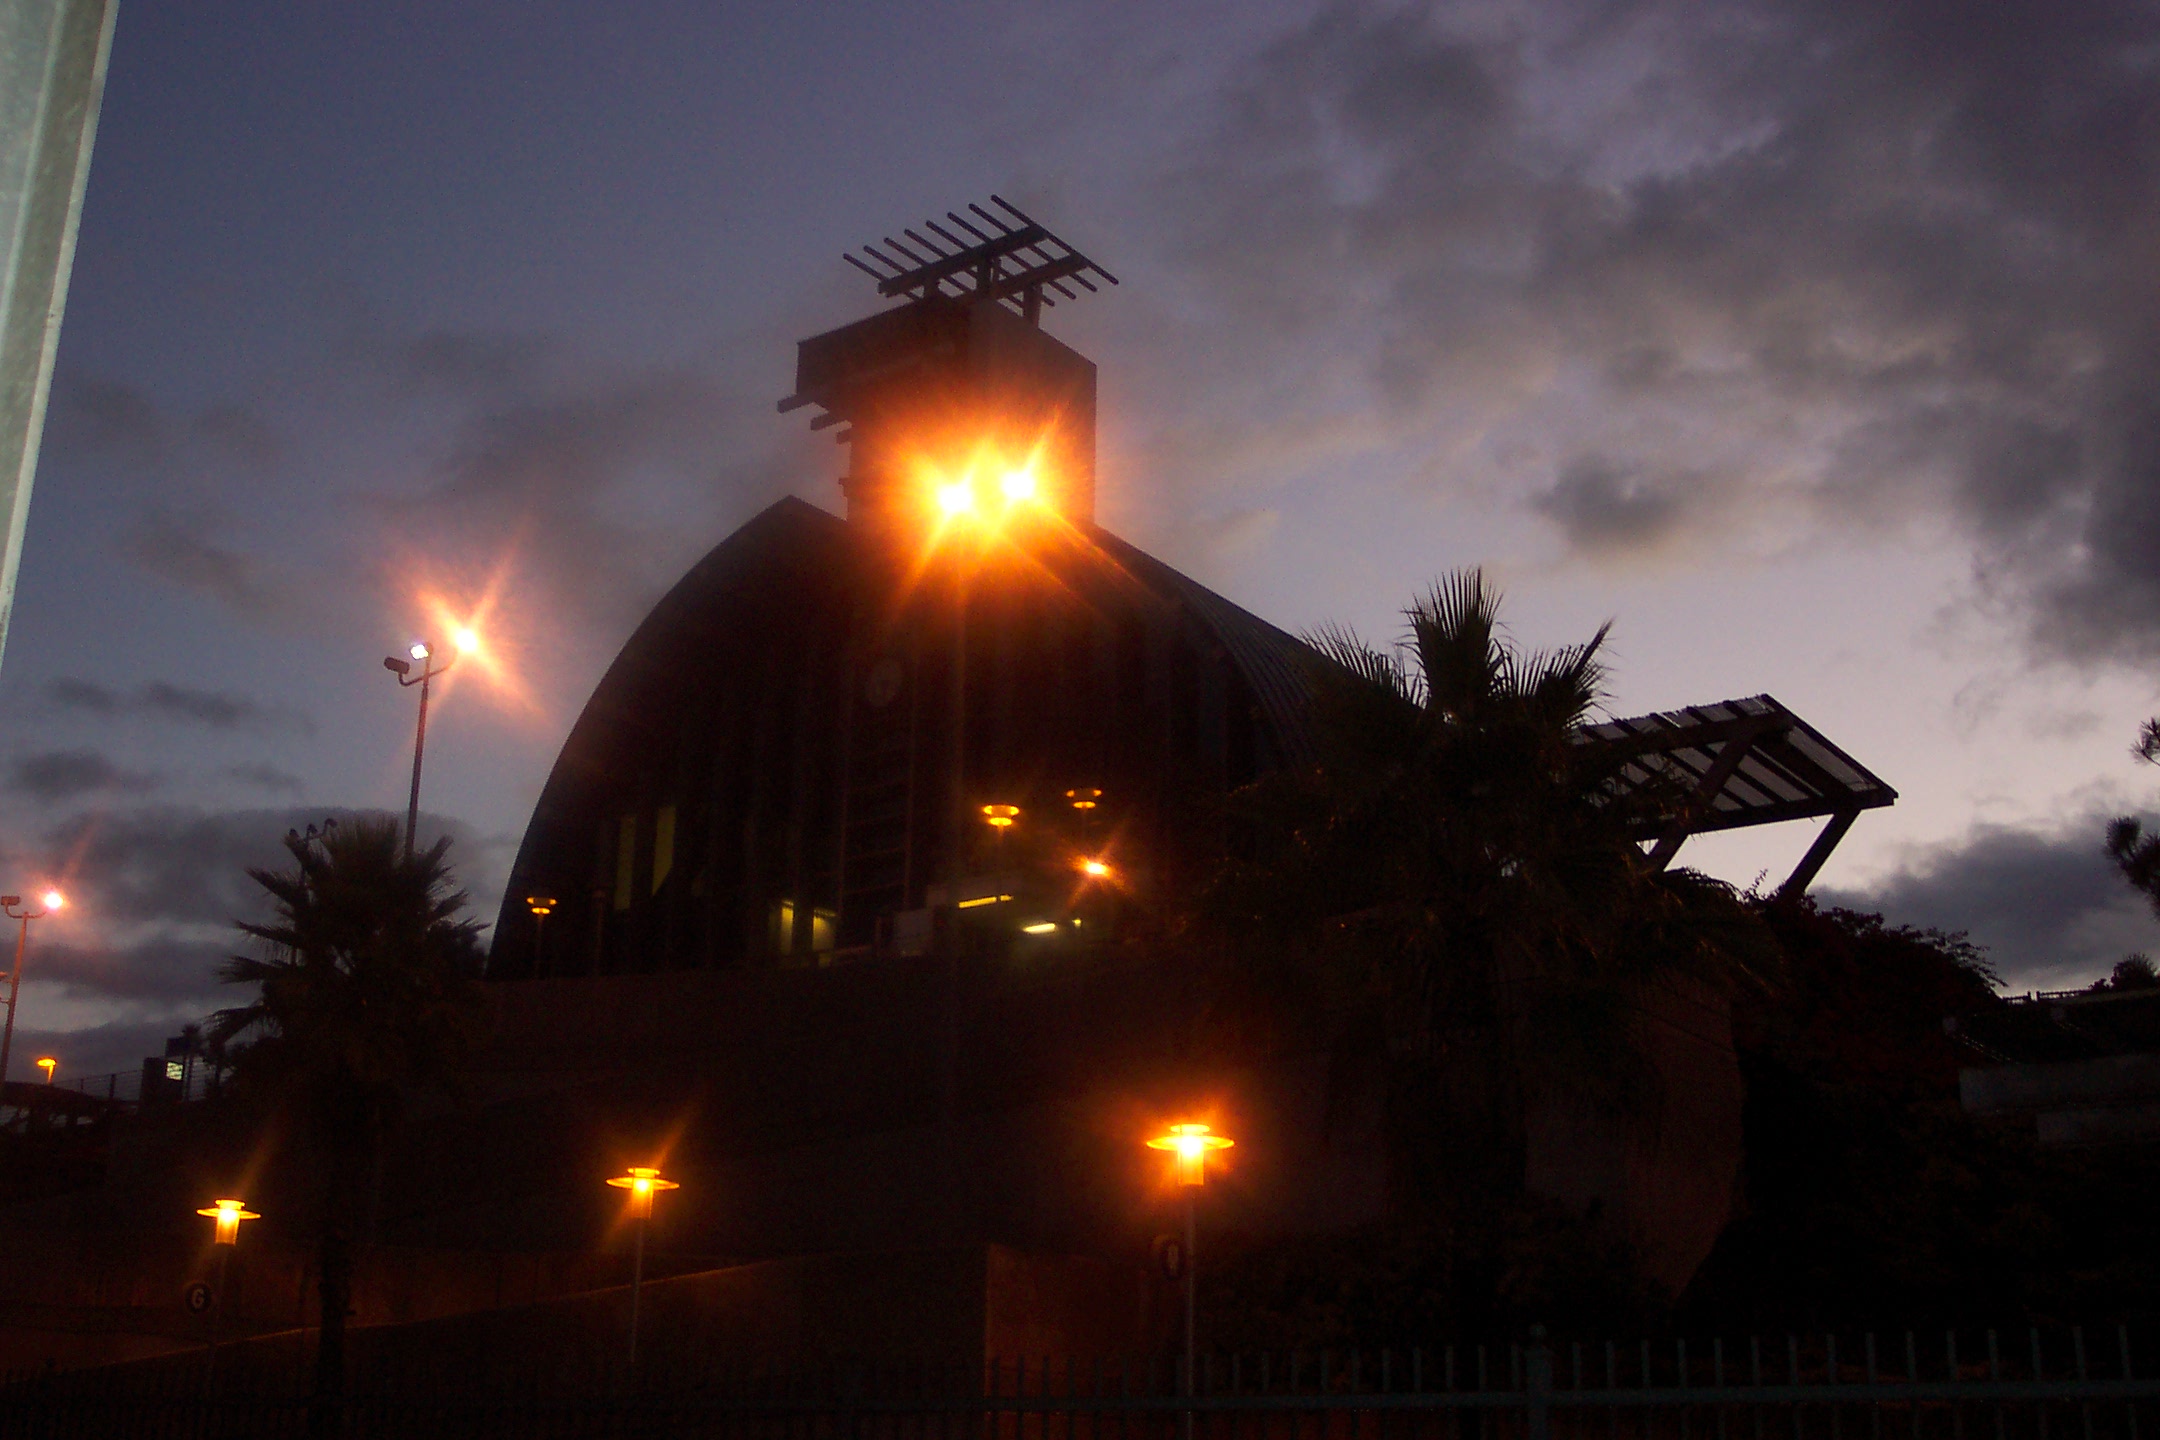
x=882 y=684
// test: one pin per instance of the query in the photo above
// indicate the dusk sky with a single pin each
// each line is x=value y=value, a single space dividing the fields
x=1815 y=344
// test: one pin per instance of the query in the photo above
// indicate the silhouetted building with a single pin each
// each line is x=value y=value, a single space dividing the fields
x=806 y=758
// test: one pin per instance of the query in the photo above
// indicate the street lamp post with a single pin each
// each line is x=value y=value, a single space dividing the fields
x=423 y=655
x=541 y=906
x=12 y=906
x=1190 y=1144
x=643 y=1182
x=227 y=1215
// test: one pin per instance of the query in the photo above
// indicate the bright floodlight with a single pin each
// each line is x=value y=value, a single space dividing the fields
x=465 y=638
x=53 y=899
x=957 y=498
x=419 y=650
x=1019 y=484
x=1095 y=868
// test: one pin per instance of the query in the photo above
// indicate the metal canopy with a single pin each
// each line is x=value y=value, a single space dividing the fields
x=1011 y=259
x=1743 y=762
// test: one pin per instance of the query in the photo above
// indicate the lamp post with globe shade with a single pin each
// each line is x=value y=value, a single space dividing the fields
x=13 y=907
x=643 y=1182
x=1189 y=1145
x=423 y=654
x=226 y=1216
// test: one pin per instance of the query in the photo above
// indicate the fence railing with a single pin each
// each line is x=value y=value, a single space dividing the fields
x=1978 y=1385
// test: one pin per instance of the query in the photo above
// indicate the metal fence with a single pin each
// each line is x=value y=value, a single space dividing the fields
x=1978 y=1385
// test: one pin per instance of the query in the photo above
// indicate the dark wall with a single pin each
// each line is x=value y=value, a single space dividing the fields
x=796 y=744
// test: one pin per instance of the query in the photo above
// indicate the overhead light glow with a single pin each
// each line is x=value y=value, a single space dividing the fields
x=465 y=639
x=419 y=650
x=53 y=899
x=228 y=1214
x=1040 y=927
x=956 y=498
x=1018 y=484
x=982 y=900
x=997 y=817
x=1191 y=1144
x=1094 y=867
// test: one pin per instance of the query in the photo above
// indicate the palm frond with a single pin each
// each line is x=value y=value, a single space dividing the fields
x=1454 y=629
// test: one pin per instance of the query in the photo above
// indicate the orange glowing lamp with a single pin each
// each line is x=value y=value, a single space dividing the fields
x=1190 y=1144
x=643 y=1182
x=48 y=1064
x=956 y=498
x=541 y=906
x=53 y=900
x=999 y=817
x=1084 y=799
x=1095 y=869
x=228 y=1214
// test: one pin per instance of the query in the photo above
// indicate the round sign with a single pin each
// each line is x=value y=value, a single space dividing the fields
x=1170 y=1257
x=199 y=1298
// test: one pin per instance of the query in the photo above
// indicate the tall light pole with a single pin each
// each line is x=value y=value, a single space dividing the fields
x=227 y=1214
x=1190 y=1144
x=423 y=655
x=12 y=906
x=541 y=906
x=643 y=1182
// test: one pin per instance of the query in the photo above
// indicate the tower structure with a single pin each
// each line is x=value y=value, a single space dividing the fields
x=790 y=761
x=959 y=394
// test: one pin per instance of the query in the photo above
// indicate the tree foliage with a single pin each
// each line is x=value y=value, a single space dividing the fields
x=1454 y=883
x=365 y=991
x=2136 y=851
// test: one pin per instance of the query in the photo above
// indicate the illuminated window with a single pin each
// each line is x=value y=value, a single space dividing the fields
x=625 y=861
x=824 y=929
x=783 y=927
x=663 y=846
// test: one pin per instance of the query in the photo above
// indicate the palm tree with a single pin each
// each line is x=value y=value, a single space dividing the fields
x=365 y=991
x=2135 y=852
x=1459 y=868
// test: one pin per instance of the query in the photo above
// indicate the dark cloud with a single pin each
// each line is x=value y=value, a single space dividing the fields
x=604 y=485
x=1602 y=510
x=453 y=363
x=267 y=777
x=107 y=418
x=162 y=700
x=2048 y=905
x=1884 y=261
x=84 y=695
x=58 y=775
x=115 y=421
x=177 y=550
x=240 y=436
